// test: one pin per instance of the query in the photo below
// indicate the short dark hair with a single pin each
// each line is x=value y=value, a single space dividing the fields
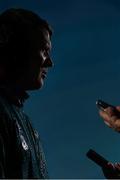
x=14 y=25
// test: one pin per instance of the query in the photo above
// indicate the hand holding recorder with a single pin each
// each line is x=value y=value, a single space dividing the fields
x=110 y=114
x=110 y=170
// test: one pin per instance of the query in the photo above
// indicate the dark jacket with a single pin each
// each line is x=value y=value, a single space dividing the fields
x=21 y=154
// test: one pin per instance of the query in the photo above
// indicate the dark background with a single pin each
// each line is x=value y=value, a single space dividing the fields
x=86 y=53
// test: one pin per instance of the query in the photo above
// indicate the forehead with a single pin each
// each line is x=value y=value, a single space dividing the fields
x=40 y=39
x=47 y=39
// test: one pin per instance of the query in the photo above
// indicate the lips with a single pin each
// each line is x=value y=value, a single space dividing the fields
x=44 y=74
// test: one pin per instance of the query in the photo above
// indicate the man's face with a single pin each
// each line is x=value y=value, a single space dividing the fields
x=39 y=58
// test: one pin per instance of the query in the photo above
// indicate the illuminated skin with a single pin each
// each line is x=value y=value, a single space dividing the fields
x=39 y=62
x=112 y=119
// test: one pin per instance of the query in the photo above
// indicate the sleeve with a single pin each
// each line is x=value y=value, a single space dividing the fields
x=4 y=138
x=8 y=146
x=41 y=157
x=39 y=150
x=2 y=158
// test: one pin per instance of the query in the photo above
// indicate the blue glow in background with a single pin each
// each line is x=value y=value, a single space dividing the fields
x=86 y=54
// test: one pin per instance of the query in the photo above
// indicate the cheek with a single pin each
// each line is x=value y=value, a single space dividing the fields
x=39 y=75
x=35 y=69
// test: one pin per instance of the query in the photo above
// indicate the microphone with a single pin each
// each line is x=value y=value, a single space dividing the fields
x=97 y=158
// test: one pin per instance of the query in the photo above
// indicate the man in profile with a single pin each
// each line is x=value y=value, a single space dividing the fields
x=25 y=44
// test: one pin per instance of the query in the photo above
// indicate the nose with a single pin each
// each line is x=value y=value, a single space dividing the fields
x=48 y=62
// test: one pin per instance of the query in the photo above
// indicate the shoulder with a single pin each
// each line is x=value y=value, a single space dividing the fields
x=6 y=117
x=4 y=106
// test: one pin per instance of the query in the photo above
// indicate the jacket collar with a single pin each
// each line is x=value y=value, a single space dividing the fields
x=14 y=95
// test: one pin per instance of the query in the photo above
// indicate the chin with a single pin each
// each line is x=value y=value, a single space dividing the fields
x=37 y=85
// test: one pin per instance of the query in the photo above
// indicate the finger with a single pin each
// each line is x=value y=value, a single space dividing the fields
x=118 y=108
x=116 y=165
x=110 y=118
x=110 y=111
x=109 y=115
x=111 y=122
x=111 y=165
x=108 y=124
x=116 y=125
x=106 y=118
x=104 y=115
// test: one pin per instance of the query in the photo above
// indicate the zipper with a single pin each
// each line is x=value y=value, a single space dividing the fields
x=22 y=116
